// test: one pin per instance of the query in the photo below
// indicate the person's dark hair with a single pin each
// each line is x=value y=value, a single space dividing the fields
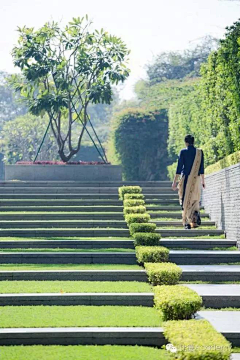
x=189 y=139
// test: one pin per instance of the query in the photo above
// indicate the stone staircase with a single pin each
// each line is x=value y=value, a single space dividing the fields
x=62 y=223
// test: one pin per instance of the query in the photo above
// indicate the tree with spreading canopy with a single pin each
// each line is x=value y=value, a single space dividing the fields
x=63 y=71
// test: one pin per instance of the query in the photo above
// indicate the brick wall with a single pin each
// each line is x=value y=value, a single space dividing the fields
x=221 y=199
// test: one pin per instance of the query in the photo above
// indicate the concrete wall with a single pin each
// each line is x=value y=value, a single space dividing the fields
x=63 y=172
x=221 y=199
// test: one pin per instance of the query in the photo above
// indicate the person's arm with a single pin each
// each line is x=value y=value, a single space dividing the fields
x=202 y=171
x=178 y=172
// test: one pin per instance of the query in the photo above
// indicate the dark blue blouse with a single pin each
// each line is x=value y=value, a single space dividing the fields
x=186 y=159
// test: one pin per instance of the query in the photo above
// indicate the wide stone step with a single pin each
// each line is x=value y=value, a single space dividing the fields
x=71 y=184
x=226 y=322
x=71 y=299
x=80 y=190
x=49 y=209
x=59 y=232
x=181 y=257
x=62 y=216
x=72 y=224
x=113 y=336
x=218 y=296
x=213 y=273
x=124 y=243
x=198 y=244
x=92 y=196
x=77 y=202
x=79 y=216
x=214 y=296
x=172 y=215
x=84 y=336
x=121 y=224
x=86 y=208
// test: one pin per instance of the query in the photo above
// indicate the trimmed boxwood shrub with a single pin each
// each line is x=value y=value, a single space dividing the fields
x=176 y=302
x=129 y=203
x=163 y=274
x=144 y=227
x=152 y=254
x=196 y=340
x=128 y=190
x=146 y=239
x=134 y=197
x=134 y=210
x=137 y=218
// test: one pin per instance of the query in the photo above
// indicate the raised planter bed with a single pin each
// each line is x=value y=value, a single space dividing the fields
x=69 y=172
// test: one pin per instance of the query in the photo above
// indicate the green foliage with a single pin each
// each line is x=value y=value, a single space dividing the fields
x=10 y=106
x=134 y=197
x=196 y=339
x=224 y=163
x=163 y=274
x=137 y=218
x=22 y=137
x=134 y=210
x=130 y=203
x=212 y=110
x=128 y=190
x=178 y=65
x=139 y=142
x=172 y=170
x=176 y=302
x=151 y=254
x=147 y=227
x=64 y=70
x=146 y=239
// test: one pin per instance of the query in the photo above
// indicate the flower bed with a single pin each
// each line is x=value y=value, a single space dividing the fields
x=61 y=163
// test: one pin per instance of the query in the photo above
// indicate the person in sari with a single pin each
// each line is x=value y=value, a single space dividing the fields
x=191 y=169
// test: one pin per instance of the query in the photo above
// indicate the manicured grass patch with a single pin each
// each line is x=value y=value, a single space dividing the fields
x=18 y=287
x=176 y=302
x=22 y=267
x=80 y=352
x=10 y=238
x=66 y=250
x=81 y=316
x=197 y=339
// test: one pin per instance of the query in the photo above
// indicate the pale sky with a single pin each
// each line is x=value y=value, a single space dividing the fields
x=147 y=26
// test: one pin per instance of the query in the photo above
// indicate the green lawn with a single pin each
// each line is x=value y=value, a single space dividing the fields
x=81 y=352
x=44 y=267
x=81 y=316
x=65 y=250
x=18 y=287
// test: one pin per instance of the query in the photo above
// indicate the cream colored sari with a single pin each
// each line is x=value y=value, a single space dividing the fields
x=192 y=195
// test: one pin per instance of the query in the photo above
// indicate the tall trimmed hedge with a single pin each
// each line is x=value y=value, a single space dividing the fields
x=212 y=110
x=139 y=141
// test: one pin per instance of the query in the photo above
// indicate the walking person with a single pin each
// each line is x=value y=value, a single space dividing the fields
x=191 y=169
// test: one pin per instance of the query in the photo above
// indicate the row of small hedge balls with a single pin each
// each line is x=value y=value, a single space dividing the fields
x=175 y=303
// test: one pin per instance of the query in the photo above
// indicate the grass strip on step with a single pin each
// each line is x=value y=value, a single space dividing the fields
x=56 y=267
x=81 y=352
x=30 y=287
x=102 y=250
x=11 y=238
x=80 y=316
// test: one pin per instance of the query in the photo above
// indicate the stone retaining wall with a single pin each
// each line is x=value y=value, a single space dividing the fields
x=221 y=200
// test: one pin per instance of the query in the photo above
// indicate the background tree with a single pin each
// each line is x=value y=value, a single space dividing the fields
x=10 y=106
x=63 y=71
x=178 y=65
x=22 y=136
